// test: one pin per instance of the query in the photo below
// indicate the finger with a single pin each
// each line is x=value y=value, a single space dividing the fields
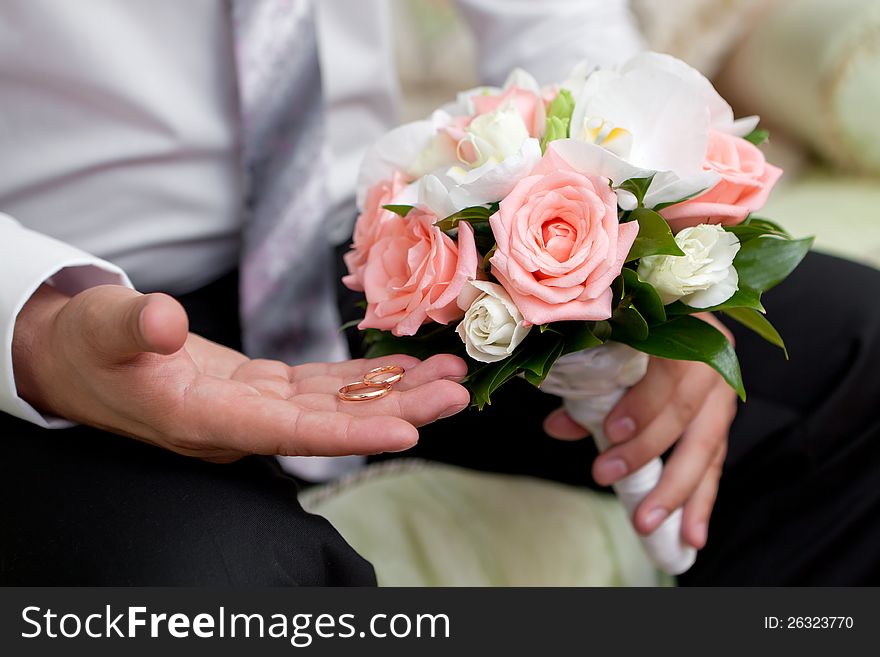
x=687 y=467
x=119 y=322
x=164 y=324
x=623 y=459
x=698 y=509
x=559 y=425
x=642 y=403
x=663 y=431
x=259 y=425
x=422 y=405
x=350 y=370
x=441 y=367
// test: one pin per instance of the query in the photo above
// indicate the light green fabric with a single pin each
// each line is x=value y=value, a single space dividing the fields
x=842 y=212
x=436 y=525
x=812 y=67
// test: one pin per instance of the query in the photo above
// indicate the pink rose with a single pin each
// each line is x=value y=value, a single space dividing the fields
x=560 y=244
x=368 y=228
x=415 y=272
x=746 y=181
x=529 y=105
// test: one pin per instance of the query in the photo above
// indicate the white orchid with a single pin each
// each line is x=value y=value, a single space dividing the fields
x=720 y=112
x=649 y=117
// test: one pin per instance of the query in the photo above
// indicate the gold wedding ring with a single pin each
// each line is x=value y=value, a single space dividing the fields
x=360 y=391
x=393 y=374
x=375 y=384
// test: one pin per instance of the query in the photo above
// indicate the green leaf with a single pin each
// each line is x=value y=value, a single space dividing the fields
x=689 y=338
x=430 y=340
x=577 y=336
x=756 y=227
x=627 y=322
x=764 y=262
x=486 y=380
x=558 y=118
x=474 y=215
x=744 y=297
x=350 y=324
x=616 y=291
x=654 y=238
x=538 y=364
x=602 y=330
x=759 y=324
x=402 y=210
x=758 y=136
x=486 y=258
x=643 y=297
x=638 y=187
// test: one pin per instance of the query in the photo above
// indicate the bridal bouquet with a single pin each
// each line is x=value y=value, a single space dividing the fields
x=562 y=233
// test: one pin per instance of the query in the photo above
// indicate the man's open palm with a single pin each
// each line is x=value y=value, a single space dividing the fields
x=125 y=362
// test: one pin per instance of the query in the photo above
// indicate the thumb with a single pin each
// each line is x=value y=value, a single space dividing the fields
x=559 y=425
x=123 y=323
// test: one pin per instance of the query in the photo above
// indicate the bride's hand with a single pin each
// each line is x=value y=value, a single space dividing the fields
x=681 y=403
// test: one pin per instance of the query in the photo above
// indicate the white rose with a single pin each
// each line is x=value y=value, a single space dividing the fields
x=445 y=193
x=492 y=326
x=704 y=276
x=494 y=136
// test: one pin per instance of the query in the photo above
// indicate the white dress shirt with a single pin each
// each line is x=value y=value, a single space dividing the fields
x=118 y=129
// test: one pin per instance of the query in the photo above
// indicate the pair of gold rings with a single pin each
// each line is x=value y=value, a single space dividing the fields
x=376 y=384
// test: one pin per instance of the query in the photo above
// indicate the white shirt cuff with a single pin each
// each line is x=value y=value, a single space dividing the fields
x=27 y=260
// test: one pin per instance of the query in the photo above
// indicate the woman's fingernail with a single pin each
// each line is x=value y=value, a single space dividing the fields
x=701 y=534
x=612 y=470
x=621 y=429
x=655 y=517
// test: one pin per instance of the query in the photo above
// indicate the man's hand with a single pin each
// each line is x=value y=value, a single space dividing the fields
x=125 y=362
x=677 y=401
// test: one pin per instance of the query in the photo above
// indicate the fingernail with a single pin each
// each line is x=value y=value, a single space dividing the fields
x=655 y=517
x=701 y=533
x=621 y=429
x=452 y=410
x=402 y=449
x=612 y=470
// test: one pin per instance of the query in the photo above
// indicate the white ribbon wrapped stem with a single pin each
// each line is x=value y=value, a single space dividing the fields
x=591 y=382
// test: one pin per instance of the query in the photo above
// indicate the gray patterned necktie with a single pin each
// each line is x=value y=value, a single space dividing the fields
x=287 y=287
